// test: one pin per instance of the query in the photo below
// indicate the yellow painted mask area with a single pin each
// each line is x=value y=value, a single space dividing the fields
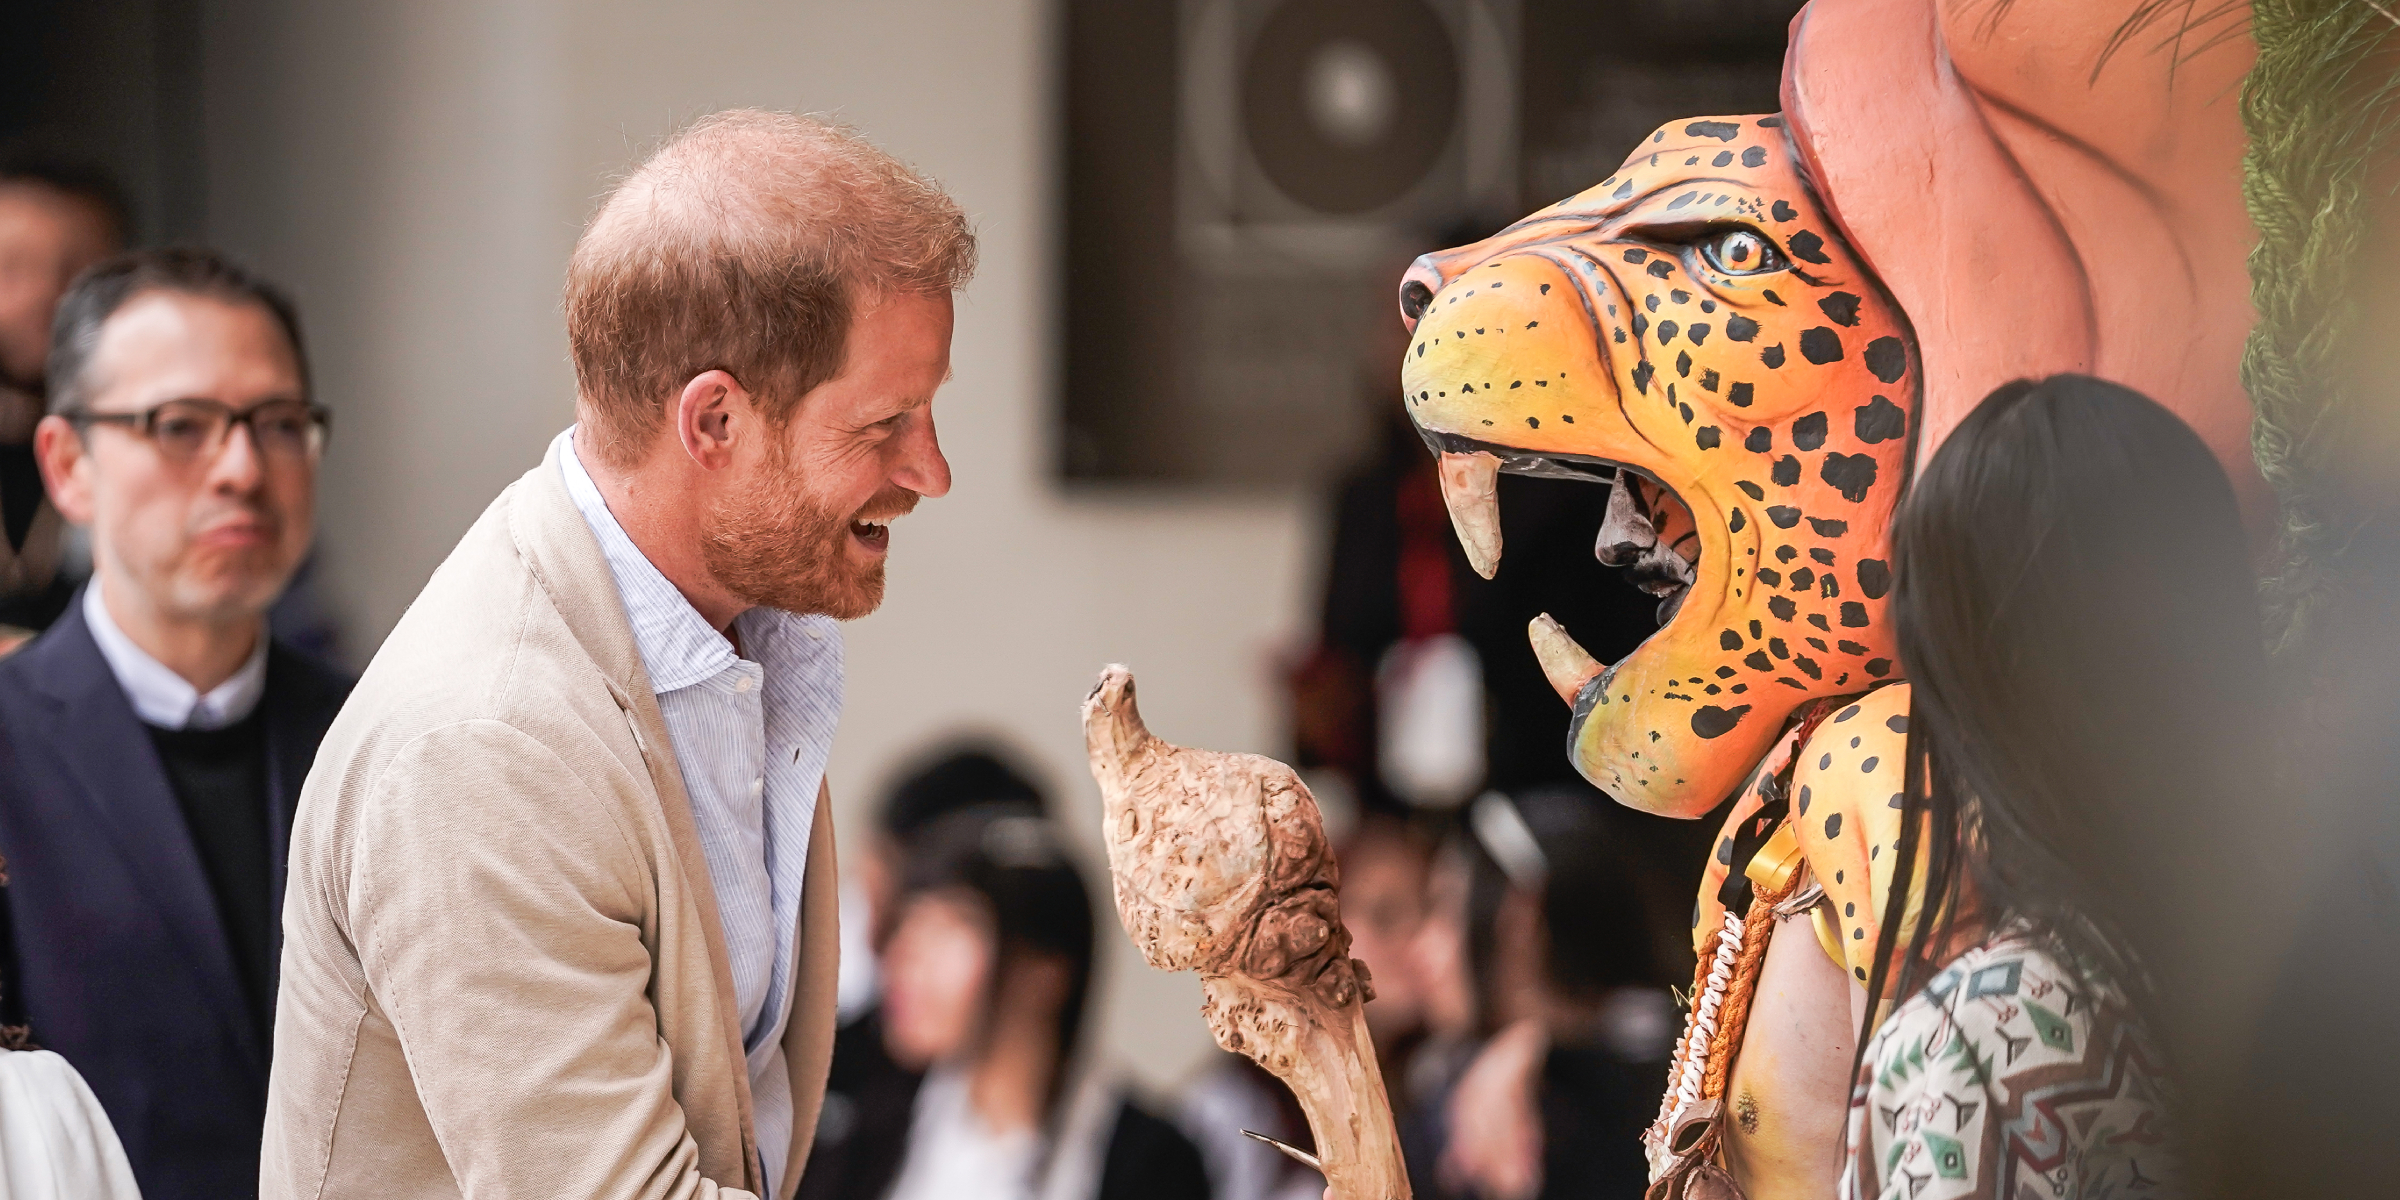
x=1696 y=321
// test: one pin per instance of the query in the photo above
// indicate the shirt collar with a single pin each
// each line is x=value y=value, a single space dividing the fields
x=678 y=646
x=160 y=696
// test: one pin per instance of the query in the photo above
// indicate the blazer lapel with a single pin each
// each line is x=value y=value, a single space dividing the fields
x=118 y=779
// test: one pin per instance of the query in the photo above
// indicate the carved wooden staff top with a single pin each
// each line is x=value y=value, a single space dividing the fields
x=1222 y=867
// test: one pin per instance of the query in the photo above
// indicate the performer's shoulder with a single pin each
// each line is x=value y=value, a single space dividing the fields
x=1846 y=798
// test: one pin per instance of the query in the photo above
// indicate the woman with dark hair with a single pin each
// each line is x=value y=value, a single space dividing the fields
x=987 y=969
x=2077 y=622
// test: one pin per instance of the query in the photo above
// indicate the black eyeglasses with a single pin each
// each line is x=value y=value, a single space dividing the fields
x=186 y=430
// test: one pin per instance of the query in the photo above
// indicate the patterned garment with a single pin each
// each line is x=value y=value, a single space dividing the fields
x=2009 y=1078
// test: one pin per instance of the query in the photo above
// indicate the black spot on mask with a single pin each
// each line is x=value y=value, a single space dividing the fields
x=1808 y=433
x=1821 y=345
x=1887 y=357
x=1723 y=131
x=1850 y=474
x=1710 y=721
x=1879 y=420
x=1807 y=247
x=1874 y=577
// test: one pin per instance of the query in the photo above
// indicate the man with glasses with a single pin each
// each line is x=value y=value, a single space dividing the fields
x=154 y=740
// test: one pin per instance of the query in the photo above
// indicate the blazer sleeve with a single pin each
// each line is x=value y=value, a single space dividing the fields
x=497 y=906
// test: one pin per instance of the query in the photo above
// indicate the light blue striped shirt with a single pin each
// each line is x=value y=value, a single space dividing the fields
x=751 y=736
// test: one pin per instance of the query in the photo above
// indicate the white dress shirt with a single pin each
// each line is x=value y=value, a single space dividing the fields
x=751 y=736
x=160 y=696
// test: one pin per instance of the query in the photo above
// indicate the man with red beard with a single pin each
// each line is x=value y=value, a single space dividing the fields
x=561 y=917
x=153 y=741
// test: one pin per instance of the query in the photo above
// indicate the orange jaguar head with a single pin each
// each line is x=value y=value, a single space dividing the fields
x=1693 y=326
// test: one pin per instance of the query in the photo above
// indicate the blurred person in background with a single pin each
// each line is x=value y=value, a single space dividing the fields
x=1384 y=863
x=987 y=988
x=2086 y=724
x=862 y=1130
x=562 y=918
x=1563 y=970
x=55 y=220
x=156 y=736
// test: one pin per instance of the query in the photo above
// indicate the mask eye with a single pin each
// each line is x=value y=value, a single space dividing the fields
x=1740 y=251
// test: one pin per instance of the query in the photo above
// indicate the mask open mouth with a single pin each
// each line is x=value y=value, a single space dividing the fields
x=1647 y=532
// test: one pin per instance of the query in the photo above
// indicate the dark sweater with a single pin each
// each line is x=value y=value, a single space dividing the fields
x=219 y=777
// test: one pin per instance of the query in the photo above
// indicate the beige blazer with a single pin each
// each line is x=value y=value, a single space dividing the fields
x=503 y=973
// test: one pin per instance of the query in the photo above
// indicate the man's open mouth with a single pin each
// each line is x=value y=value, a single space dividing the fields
x=874 y=535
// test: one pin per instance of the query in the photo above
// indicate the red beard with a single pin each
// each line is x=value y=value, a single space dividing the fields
x=776 y=545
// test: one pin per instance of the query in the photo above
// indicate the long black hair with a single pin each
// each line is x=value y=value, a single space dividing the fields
x=1014 y=861
x=2077 y=620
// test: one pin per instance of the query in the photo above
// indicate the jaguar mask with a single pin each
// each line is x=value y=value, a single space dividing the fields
x=1695 y=325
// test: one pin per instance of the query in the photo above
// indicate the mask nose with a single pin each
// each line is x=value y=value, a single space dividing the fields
x=1416 y=290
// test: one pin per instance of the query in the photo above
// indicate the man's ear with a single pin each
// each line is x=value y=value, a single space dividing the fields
x=711 y=416
x=66 y=467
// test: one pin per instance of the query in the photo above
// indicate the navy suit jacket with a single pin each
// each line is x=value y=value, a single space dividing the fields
x=113 y=951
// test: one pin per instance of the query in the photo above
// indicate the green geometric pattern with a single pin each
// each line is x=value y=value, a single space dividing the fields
x=2010 y=1075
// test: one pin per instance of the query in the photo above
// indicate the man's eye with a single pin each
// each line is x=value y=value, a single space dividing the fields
x=1741 y=252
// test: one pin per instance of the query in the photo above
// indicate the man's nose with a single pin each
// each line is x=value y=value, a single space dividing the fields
x=923 y=470
x=237 y=466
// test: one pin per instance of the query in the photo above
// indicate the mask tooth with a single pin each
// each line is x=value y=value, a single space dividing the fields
x=1471 y=491
x=1567 y=664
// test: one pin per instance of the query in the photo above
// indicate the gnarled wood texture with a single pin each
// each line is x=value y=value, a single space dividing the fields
x=1221 y=866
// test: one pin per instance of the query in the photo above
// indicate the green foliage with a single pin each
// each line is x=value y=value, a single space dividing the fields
x=2321 y=106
